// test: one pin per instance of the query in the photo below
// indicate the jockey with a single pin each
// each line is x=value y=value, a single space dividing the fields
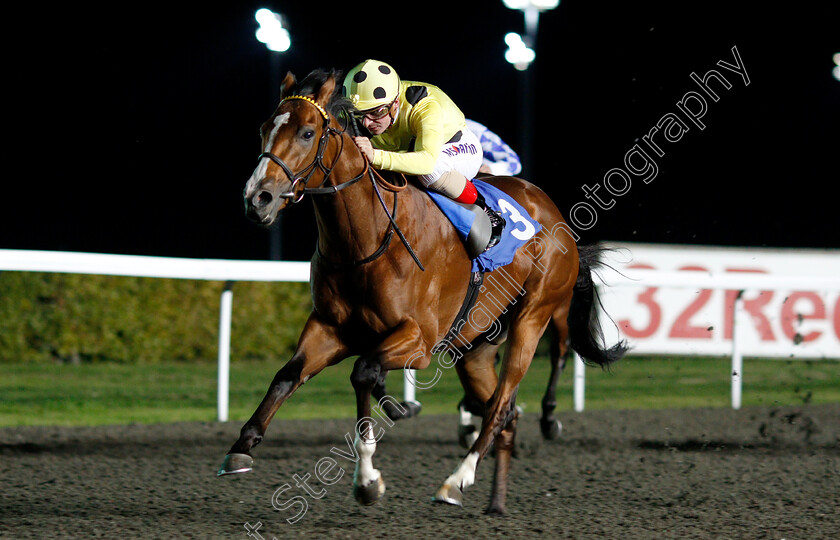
x=499 y=158
x=416 y=129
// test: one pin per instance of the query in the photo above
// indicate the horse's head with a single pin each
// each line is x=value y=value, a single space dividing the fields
x=294 y=140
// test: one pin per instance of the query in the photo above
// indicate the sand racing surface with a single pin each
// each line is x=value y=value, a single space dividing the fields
x=711 y=473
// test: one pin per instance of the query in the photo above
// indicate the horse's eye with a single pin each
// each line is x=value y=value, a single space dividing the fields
x=308 y=134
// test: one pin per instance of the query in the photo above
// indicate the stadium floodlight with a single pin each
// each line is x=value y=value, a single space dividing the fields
x=518 y=53
x=276 y=38
x=542 y=5
x=271 y=31
x=836 y=70
x=521 y=51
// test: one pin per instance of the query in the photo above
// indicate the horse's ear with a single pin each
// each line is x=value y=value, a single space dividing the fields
x=289 y=82
x=326 y=91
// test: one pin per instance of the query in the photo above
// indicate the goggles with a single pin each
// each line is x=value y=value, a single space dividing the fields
x=374 y=114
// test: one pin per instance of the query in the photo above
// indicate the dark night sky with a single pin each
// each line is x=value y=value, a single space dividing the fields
x=138 y=134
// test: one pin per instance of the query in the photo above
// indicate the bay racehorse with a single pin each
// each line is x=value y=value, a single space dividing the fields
x=391 y=303
x=469 y=407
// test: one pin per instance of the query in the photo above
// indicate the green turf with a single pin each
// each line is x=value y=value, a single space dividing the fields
x=106 y=393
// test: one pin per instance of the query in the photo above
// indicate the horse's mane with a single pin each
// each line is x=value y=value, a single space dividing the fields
x=338 y=105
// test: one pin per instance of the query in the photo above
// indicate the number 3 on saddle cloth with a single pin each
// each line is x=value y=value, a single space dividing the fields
x=473 y=226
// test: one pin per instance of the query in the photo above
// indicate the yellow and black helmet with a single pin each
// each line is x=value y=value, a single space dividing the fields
x=371 y=84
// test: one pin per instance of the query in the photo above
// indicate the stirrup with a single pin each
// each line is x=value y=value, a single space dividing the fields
x=495 y=239
x=497 y=222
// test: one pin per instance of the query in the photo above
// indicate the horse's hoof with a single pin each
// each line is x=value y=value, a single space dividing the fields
x=467 y=435
x=369 y=494
x=551 y=429
x=414 y=407
x=496 y=509
x=236 y=464
x=450 y=495
x=407 y=409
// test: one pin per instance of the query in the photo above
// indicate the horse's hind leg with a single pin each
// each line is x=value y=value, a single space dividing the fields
x=470 y=406
x=504 y=451
x=549 y=425
x=477 y=372
x=467 y=432
x=395 y=411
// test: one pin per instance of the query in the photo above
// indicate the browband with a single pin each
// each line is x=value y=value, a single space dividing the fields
x=310 y=100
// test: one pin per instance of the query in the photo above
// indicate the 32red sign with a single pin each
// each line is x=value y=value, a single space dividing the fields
x=795 y=308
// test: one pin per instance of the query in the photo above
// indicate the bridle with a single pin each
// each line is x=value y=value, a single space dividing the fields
x=301 y=179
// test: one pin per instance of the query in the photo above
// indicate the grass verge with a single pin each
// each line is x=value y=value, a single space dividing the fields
x=108 y=393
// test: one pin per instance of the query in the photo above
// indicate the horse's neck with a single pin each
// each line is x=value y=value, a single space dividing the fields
x=351 y=222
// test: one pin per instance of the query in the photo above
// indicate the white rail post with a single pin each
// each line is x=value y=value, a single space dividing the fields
x=579 y=382
x=409 y=391
x=737 y=355
x=223 y=382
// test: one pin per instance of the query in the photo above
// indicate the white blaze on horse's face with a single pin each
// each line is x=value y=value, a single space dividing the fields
x=259 y=173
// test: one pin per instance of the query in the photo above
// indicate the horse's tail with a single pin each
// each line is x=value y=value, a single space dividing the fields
x=585 y=334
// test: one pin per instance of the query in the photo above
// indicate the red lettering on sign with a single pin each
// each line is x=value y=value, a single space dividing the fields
x=752 y=306
x=837 y=318
x=790 y=315
x=682 y=327
x=654 y=311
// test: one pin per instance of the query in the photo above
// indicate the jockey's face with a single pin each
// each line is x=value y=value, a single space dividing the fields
x=378 y=126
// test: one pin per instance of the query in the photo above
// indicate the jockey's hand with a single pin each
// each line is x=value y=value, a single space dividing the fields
x=364 y=145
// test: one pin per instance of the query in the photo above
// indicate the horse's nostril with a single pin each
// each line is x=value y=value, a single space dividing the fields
x=263 y=199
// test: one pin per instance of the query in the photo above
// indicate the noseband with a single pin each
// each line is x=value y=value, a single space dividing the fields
x=300 y=180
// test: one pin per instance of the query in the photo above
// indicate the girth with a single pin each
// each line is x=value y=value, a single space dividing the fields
x=473 y=288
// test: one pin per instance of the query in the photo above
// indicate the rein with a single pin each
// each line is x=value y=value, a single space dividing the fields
x=300 y=180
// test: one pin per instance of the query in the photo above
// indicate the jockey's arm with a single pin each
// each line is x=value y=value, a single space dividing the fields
x=426 y=122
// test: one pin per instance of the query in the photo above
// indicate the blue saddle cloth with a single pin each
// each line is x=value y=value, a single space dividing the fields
x=519 y=226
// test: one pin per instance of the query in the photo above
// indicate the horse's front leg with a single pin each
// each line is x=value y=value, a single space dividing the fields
x=404 y=345
x=318 y=347
x=368 y=485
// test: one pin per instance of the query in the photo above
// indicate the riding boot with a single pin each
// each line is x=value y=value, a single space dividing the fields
x=497 y=222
